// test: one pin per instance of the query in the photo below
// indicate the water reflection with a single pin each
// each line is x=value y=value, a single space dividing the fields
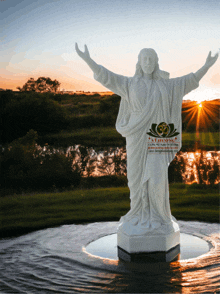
x=193 y=167
x=49 y=261
x=200 y=276
x=201 y=167
x=106 y=248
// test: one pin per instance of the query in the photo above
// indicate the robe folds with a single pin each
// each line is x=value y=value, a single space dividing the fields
x=145 y=102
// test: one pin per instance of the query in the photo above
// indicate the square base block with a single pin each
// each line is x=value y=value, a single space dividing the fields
x=156 y=246
x=148 y=242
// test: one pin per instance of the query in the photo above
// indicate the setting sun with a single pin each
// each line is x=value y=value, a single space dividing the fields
x=202 y=115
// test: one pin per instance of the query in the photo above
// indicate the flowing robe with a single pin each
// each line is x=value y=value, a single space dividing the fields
x=144 y=102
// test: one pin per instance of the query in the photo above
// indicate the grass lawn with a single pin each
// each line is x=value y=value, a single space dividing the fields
x=207 y=139
x=94 y=137
x=108 y=136
x=20 y=214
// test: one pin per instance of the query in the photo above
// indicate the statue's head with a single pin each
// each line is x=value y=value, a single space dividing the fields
x=148 y=63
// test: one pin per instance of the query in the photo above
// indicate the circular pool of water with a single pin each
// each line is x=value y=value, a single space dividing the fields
x=55 y=260
x=106 y=247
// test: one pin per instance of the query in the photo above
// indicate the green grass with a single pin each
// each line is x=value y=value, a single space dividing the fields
x=94 y=137
x=108 y=136
x=195 y=202
x=208 y=139
x=20 y=214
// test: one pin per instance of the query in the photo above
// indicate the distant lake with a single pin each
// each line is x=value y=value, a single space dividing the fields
x=112 y=160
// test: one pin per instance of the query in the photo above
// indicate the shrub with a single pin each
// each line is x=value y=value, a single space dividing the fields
x=89 y=121
x=110 y=104
x=176 y=169
x=26 y=166
x=207 y=173
x=33 y=111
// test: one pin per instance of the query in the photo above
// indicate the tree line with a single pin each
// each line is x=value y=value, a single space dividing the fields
x=42 y=85
x=25 y=166
x=39 y=109
x=49 y=113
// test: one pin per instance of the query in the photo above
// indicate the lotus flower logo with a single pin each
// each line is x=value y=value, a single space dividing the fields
x=163 y=130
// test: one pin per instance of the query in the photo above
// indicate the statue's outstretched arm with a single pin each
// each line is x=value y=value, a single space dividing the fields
x=86 y=57
x=114 y=82
x=203 y=70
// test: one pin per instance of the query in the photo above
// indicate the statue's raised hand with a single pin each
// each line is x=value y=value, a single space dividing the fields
x=84 y=55
x=211 y=60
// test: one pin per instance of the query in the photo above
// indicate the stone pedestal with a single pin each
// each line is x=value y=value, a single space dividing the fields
x=148 y=247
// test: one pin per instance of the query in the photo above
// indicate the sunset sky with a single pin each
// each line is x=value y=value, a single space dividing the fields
x=38 y=39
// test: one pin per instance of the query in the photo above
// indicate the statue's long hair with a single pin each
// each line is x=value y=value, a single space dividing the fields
x=157 y=73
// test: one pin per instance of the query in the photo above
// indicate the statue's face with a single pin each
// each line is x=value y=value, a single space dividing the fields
x=148 y=62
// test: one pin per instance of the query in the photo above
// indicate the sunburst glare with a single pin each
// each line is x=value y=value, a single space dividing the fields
x=201 y=117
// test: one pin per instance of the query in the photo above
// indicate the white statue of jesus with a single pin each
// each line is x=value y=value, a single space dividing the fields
x=150 y=119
